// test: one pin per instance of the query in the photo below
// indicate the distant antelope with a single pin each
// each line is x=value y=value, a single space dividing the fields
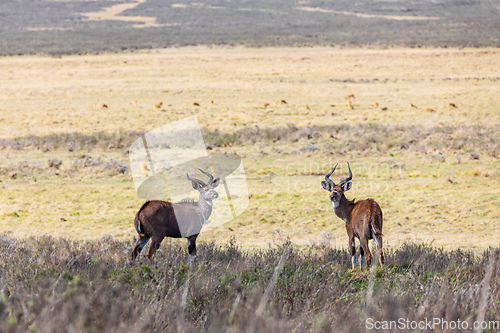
x=134 y=102
x=349 y=104
x=375 y=104
x=102 y=106
x=306 y=107
x=266 y=105
x=363 y=219
x=144 y=169
x=159 y=219
x=350 y=96
x=453 y=105
x=196 y=104
x=430 y=110
x=283 y=101
x=158 y=105
x=411 y=105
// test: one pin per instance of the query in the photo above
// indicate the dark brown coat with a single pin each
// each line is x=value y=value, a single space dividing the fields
x=158 y=219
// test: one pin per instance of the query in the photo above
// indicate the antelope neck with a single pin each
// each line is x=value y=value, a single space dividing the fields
x=205 y=207
x=342 y=208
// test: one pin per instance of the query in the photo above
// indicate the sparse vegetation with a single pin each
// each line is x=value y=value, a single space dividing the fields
x=373 y=137
x=50 y=285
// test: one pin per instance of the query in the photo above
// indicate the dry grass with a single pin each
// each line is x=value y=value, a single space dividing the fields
x=49 y=102
x=56 y=285
x=115 y=13
x=423 y=201
x=55 y=95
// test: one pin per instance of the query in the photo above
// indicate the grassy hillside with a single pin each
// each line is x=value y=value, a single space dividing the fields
x=62 y=27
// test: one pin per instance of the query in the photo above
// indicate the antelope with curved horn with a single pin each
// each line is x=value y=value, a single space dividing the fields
x=159 y=219
x=363 y=219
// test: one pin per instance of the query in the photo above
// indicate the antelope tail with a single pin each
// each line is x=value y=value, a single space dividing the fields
x=375 y=217
x=137 y=220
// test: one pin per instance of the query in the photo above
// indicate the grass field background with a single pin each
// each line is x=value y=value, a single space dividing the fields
x=404 y=157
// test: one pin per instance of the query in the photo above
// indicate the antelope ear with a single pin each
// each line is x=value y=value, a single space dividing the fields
x=347 y=186
x=326 y=186
x=216 y=182
x=197 y=186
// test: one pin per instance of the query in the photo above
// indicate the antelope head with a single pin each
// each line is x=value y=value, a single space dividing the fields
x=207 y=191
x=337 y=190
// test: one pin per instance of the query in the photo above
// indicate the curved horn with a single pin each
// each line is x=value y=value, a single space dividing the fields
x=208 y=175
x=196 y=180
x=348 y=178
x=327 y=177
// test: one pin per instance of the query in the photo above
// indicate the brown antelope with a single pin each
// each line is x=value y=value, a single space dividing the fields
x=430 y=110
x=158 y=105
x=375 y=104
x=159 y=219
x=363 y=219
x=411 y=105
x=134 y=102
x=453 y=105
x=196 y=104
x=144 y=169
x=349 y=96
x=349 y=104
x=102 y=106
x=266 y=105
x=283 y=101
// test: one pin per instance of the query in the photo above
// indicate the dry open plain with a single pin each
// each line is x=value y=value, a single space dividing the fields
x=416 y=163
